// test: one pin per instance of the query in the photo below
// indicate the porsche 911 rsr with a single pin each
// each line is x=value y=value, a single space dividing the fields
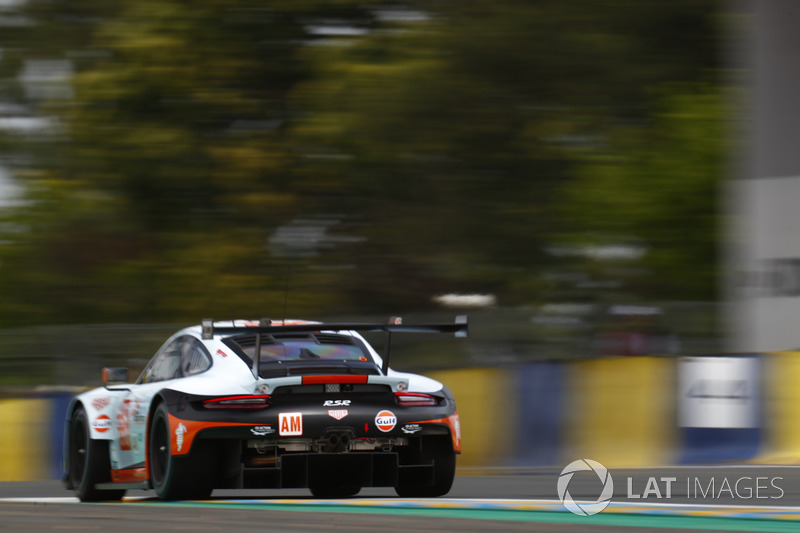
x=263 y=404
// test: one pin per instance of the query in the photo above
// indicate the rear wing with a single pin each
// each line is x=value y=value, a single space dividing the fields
x=460 y=328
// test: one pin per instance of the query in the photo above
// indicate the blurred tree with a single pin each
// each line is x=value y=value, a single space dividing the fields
x=656 y=195
x=172 y=169
x=454 y=137
x=369 y=155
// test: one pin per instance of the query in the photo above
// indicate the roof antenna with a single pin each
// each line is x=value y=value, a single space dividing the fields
x=285 y=294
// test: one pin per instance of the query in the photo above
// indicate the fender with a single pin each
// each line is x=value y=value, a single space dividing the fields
x=100 y=406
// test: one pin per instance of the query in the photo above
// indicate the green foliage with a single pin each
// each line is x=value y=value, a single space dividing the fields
x=658 y=190
x=422 y=148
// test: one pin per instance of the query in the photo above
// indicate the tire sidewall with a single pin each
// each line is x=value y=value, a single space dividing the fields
x=162 y=485
x=81 y=484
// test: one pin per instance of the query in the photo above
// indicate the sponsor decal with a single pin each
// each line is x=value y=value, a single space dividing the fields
x=179 y=431
x=290 y=424
x=137 y=415
x=222 y=354
x=338 y=414
x=385 y=421
x=102 y=423
x=411 y=428
x=336 y=403
x=123 y=426
x=101 y=403
x=262 y=430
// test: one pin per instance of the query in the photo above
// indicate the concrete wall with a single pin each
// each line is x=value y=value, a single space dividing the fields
x=762 y=248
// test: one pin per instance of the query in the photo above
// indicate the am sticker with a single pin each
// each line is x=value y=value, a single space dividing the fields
x=290 y=424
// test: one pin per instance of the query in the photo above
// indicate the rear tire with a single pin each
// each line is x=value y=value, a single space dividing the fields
x=440 y=453
x=88 y=462
x=177 y=478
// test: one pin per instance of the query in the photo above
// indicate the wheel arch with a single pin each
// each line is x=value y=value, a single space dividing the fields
x=157 y=400
x=76 y=403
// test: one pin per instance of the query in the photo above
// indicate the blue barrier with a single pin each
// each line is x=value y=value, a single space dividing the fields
x=58 y=414
x=540 y=414
x=719 y=445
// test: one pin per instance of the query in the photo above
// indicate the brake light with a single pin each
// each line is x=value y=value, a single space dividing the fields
x=411 y=399
x=322 y=380
x=238 y=402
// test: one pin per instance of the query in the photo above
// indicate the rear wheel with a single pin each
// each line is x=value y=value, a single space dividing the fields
x=88 y=462
x=177 y=478
x=440 y=453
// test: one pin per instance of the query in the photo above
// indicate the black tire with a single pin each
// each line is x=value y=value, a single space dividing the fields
x=440 y=453
x=88 y=462
x=334 y=491
x=177 y=478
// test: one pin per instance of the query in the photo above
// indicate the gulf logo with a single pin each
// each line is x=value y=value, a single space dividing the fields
x=102 y=423
x=385 y=421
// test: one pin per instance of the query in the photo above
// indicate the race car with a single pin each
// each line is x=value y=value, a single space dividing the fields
x=265 y=404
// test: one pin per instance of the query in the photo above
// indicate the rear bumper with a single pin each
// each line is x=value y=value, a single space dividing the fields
x=306 y=417
x=300 y=470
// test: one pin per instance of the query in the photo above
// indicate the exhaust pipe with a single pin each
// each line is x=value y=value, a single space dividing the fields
x=336 y=441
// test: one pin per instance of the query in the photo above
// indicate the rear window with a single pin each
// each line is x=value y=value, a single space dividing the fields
x=305 y=347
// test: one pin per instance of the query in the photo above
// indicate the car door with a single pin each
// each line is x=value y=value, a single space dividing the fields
x=128 y=449
x=179 y=358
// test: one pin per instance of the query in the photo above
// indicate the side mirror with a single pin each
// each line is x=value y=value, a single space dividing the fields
x=115 y=375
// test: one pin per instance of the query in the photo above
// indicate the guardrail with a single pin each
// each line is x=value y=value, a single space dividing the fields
x=620 y=411
x=516 y=409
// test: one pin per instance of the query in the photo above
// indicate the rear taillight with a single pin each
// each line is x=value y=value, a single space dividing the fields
x=411 y=399
x=238 y=402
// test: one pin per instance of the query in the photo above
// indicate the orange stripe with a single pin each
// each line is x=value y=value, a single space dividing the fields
x=455 y=428
x=129 y=475
x=185 y=436
x=321 y=380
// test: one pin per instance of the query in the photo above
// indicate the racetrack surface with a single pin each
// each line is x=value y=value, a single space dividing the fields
x=512 y=502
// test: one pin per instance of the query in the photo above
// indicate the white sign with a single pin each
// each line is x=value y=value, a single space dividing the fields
x=718 y=392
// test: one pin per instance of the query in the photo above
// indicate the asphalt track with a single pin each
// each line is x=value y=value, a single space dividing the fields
x=727 y=498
